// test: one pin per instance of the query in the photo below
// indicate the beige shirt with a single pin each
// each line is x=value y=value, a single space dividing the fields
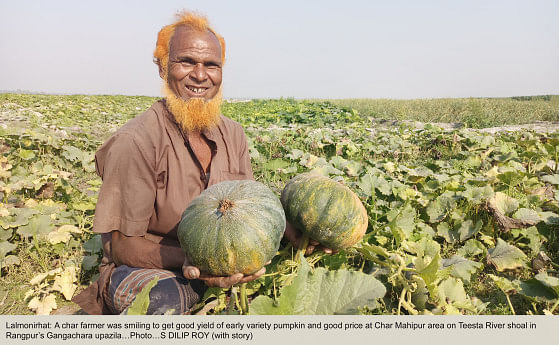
x=150 y=175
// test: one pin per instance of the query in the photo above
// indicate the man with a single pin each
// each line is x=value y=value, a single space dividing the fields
x=154 y=166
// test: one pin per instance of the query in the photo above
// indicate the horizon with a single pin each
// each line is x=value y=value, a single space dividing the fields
x=28 y=92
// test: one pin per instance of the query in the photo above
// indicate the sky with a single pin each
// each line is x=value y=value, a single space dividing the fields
x=302 y=49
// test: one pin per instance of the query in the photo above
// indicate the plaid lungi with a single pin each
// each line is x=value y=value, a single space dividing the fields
x=173 y=294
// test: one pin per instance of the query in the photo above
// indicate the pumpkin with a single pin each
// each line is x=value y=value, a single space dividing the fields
x=324 y=210
x=232 y=227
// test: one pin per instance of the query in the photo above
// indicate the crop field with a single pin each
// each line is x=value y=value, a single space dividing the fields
x=461 y=220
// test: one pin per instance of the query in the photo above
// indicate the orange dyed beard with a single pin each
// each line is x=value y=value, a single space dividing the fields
x=195 y=114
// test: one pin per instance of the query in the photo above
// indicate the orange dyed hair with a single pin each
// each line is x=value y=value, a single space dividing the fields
x=193 y=20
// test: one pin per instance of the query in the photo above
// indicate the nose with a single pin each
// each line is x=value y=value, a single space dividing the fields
x=199 y=72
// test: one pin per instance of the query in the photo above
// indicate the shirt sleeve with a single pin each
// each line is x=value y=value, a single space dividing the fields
x=244 y=157
x=127 y=195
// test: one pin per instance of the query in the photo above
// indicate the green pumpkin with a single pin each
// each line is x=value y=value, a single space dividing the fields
x=325 y=210
x=232 y=227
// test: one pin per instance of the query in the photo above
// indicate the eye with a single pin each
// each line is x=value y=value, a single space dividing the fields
x=186 y=61
x=212 y=66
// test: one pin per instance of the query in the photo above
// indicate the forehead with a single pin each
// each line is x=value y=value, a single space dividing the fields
x=185 y=39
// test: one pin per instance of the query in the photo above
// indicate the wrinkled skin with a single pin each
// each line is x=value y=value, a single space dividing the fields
x=194 y=63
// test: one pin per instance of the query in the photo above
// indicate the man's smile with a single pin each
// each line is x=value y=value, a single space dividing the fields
x=196 y=91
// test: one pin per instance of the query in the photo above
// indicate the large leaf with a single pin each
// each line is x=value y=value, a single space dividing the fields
x=476 y=195
x=402 y=222
x=38 y=226
x=527 y=215
x=460 y=232
x=505 y=204
x=536 y=290
x=93 y=245
x=19 y=217
x=5 y=248
x=461 y=267
x=505 y=256
x=322 y=292
x=472 y=247
x=140 y=304
x=553 y=179
x=507 y=286
x=550 y=282
x=424 y=247
x=452 y=290
x=438 y=209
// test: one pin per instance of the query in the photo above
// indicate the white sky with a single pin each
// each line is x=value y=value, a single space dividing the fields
x=301 y=49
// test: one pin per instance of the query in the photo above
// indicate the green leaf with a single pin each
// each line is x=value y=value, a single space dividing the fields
x=507 y=286
x=10 y=260
x=275 y=164
x=93 y=245
x=72 y=153
x=536 y=291
x=549 y=218
x=424 y=247
x=505 y=256
x=20 y=216
x=535 y=239
x=472 y=247
x=553 y=179
x=428 y=271
x=461 y=232
x=6 y=247
x=527 y=214
x=402 y=222
x=371 y=251
x=89 y=262
x=5 y=234
x=550 y=282
x=505 y=204
x=477 y=195
x=461 y=267
x=26 y=154
x=438 y=209
x=322 y=292
x=368 y=183
x=38 y=226
x=140 y=304
x=83 y=206
x=452 y=290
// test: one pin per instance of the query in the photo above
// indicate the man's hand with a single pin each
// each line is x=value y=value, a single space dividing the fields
x=295 y=237
x=192 y=272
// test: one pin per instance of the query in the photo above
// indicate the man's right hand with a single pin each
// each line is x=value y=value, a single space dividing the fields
x=295 y=237
x=192 y=272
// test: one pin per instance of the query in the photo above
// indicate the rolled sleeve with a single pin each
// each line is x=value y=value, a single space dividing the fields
x=127 y=195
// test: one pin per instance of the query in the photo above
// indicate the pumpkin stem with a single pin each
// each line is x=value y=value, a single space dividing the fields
x=243 y=298
x=224 y=205
x=303 y=246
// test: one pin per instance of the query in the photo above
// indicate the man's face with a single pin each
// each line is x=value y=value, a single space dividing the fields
x=194 y=69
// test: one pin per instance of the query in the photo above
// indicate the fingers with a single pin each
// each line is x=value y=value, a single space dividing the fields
x=225 y=282
x=190 y=272
x=222 y=282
